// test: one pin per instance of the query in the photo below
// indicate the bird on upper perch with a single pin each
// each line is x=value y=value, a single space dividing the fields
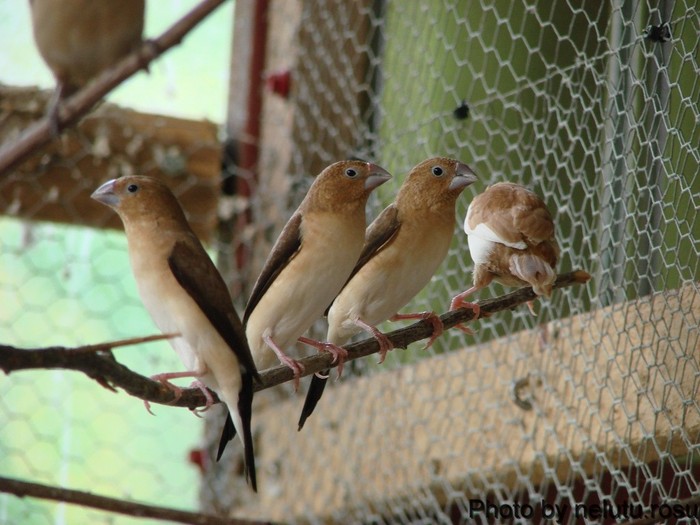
x=309 y=263
x=78 y=39
x=185 y=295
x=511 y=240
x=403 y=248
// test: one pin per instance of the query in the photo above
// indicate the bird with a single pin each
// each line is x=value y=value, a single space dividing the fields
x=78 y=39
x=185 y=294
x=404 y=246
x=309 y=263
x=511 y=240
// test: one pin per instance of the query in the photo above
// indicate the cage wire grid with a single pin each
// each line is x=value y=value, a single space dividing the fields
x=594 y=106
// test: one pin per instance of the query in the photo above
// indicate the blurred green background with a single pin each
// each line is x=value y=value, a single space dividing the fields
x=62 y=285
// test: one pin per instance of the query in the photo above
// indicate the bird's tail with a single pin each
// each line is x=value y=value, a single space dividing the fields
x=535 y=271
x=313 y=396
x=241 y=419
x=245 y=410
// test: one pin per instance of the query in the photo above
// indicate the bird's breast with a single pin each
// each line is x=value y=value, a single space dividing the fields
x=308 y=284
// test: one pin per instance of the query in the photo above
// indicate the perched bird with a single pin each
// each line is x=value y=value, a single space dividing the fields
x=310 y=262
x=403 y=248
x=185 y=294
x=80 y=38
x=511 y=240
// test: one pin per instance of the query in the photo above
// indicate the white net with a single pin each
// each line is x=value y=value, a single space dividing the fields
x=594 y=106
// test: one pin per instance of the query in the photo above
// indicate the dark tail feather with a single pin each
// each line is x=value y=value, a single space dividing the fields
x=245 y=409
x=313 y=396
x=245 y=403
x=227 y=434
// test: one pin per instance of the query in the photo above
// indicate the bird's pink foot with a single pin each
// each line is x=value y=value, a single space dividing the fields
x=297 y=368
x=438 y=328
x=458 y=301
x=207 y=396
x=384 y=343
x=338 y=352
x=163 y=379
x=531 y=307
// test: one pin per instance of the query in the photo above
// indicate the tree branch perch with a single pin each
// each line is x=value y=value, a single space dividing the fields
x=98 y=363
x=130 y=508
x=82 y=102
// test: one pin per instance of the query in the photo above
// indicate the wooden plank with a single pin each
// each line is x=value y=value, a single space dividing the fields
x=620 y=381
x=55 y=184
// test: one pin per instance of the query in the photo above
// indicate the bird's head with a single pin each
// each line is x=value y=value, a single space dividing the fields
x=345 y=185
x=137 y=197
x=434 y=182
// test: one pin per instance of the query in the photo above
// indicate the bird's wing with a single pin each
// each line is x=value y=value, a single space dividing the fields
x=510 y=215
x=379 y=234
x=283 y=251
x=196 y=273
x=534 y=221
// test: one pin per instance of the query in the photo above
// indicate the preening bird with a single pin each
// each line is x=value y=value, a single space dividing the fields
x=80 y=38
x=310 y=262
x=511 y=241
x=403 y=248
x=185 y=294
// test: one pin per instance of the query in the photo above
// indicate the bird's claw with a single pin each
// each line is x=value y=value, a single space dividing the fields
x=438 y=328
x=338 y=352
x=297 y=369
x=458 y=302
x=531 y=307
x=463 y=328
x=163 y=380
x=434 y=320
x=148 y=407
x=384 y=346
x=207 y=396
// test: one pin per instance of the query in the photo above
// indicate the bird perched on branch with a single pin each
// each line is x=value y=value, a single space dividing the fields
x=403 y=248
x=185 y=295
x=511 y=241
x=310 y=262
x=80 y=38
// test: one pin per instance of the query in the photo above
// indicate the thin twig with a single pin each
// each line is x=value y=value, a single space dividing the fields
x=130 y=508
x=40 y=133
x=108 y=372
x=102 y=347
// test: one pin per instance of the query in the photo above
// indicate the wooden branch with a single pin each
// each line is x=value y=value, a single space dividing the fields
x=86 y=499
x=108 y=372
x=82 y=102
x=55 y=183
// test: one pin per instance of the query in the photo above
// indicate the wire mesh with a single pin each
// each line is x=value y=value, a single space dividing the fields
x=65 y=278
x=595 y=106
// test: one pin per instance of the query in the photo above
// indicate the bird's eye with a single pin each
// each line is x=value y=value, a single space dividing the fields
x=351 y=173
x=132 y=188
x=438 y=171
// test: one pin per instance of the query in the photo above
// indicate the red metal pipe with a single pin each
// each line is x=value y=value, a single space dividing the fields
x=250 y=147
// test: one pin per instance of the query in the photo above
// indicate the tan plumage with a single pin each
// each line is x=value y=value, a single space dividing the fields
x=403 y=248
x=310 y=261
x=185 y=294
x=78 y=39
x=511 y=240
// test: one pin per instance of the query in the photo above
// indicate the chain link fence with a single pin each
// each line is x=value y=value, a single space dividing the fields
x=590 y=406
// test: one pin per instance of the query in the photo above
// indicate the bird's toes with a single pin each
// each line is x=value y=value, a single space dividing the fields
x=148 y=407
